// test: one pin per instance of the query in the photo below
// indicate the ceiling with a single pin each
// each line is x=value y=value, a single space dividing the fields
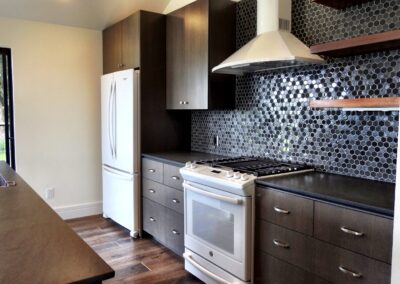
x=92 y=14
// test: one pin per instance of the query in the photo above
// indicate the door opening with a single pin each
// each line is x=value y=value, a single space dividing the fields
x=7 y=145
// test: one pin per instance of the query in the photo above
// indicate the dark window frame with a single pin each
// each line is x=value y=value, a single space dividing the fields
x=5 y=53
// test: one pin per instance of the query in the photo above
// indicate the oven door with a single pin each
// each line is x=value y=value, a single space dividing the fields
x=218 y=227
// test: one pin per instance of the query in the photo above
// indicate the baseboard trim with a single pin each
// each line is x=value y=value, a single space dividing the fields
x=80 y=210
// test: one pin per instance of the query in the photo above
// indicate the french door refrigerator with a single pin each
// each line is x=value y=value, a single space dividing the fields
x=120 y=131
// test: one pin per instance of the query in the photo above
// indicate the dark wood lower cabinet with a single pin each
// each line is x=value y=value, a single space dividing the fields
x=346 y=246
x=285 y=244
x=343 y=266
x=270 y=270
x=164 y=224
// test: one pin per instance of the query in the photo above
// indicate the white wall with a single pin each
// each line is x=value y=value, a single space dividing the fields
x=56 y=73
x=396 y=232
x=176 y=4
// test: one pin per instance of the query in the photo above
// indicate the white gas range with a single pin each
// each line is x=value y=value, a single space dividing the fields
x=219 y=215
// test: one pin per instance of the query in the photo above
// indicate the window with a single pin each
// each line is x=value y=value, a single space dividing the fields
x=7 y=146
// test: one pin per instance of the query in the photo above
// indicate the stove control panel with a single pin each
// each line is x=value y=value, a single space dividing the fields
x=220 y=173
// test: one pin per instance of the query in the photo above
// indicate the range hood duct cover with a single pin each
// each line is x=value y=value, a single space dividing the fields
x=274 y=47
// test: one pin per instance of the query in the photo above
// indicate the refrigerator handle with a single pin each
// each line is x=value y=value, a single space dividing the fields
x=118 y=174
x=109 y=118
x=115 y=119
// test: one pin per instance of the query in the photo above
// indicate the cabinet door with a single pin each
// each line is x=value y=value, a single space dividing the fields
x=153 y=219
x=187 y=57
x=131 y=42
x=112 y=40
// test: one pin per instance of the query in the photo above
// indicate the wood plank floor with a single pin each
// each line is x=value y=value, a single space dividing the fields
x=134 y=260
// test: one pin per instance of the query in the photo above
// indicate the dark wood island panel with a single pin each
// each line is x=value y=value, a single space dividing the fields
x=37 y=246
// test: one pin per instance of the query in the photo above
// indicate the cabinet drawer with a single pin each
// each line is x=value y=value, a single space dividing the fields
x=153 y=191
x=174 y=231
x=152 y=170
x=172 y=177
x=269 y=269
x=359 y=232
x=174 y=199
x=153 y=219
x=167 y=196
x=338 y=266
x=285 y=209
x=285 y=244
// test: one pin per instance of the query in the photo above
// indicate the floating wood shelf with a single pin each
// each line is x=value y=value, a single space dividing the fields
x=366 y=103
x=340 y=4
x=359 y=45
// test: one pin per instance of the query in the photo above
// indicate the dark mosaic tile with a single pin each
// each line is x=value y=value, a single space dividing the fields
x=272 y=117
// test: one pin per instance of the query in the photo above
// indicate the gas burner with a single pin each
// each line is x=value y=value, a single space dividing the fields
x=253 y=165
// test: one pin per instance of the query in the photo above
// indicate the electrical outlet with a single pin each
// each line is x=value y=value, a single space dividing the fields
x=50 y=193
x=216 y=141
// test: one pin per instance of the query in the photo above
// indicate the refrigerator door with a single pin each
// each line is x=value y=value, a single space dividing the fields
x=120 y=201
x=107 y=91
x=123 y=126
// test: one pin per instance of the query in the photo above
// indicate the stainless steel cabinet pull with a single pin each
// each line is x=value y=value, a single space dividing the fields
x=351 y=232
x=152 y=170
x=349 y=272
x=282 y=211
x=152 y=219
x=152 y=190
x=175 y=232
x=281 y=244
x=175 y=200
x=175 y=178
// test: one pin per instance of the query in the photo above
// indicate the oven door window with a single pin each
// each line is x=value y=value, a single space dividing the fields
x=214 y=225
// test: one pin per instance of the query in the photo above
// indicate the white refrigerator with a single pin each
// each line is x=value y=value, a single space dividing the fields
x=120 y=140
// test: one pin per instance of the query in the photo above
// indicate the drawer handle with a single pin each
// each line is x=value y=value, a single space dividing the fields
x=175 y=232
x=175 y=178
x=152 y=170
x=152 y=190
x=281 y=211
x=351 y=232
x=349 y=272
x=152 y=219
x=175 y=201
x=281 y=244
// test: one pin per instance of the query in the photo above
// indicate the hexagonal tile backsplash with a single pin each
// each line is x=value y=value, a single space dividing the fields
x=272 y=118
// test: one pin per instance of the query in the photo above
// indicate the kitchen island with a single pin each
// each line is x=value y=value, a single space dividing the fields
x=37 y=246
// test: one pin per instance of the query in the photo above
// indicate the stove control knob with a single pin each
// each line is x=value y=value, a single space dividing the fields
x=188 y=165
x=244 y=177
x=236 y=175
x=229 y=174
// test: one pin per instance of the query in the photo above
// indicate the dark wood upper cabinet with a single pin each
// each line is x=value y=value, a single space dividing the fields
x=200 y=36
x=121 y=45
x=131 y=42
x=112 y=56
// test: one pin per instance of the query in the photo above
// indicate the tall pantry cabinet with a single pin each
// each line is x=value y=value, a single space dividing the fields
x=138 y=42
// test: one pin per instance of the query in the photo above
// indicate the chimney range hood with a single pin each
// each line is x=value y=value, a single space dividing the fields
x=274 y=47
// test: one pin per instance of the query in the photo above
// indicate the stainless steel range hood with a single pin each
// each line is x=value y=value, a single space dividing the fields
x=274 y=47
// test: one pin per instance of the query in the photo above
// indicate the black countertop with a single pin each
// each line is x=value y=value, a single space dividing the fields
x=180 y=158
x=367 y=195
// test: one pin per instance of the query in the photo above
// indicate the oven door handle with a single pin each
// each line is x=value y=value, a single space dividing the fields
x=189 y=258
x=213 y=195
